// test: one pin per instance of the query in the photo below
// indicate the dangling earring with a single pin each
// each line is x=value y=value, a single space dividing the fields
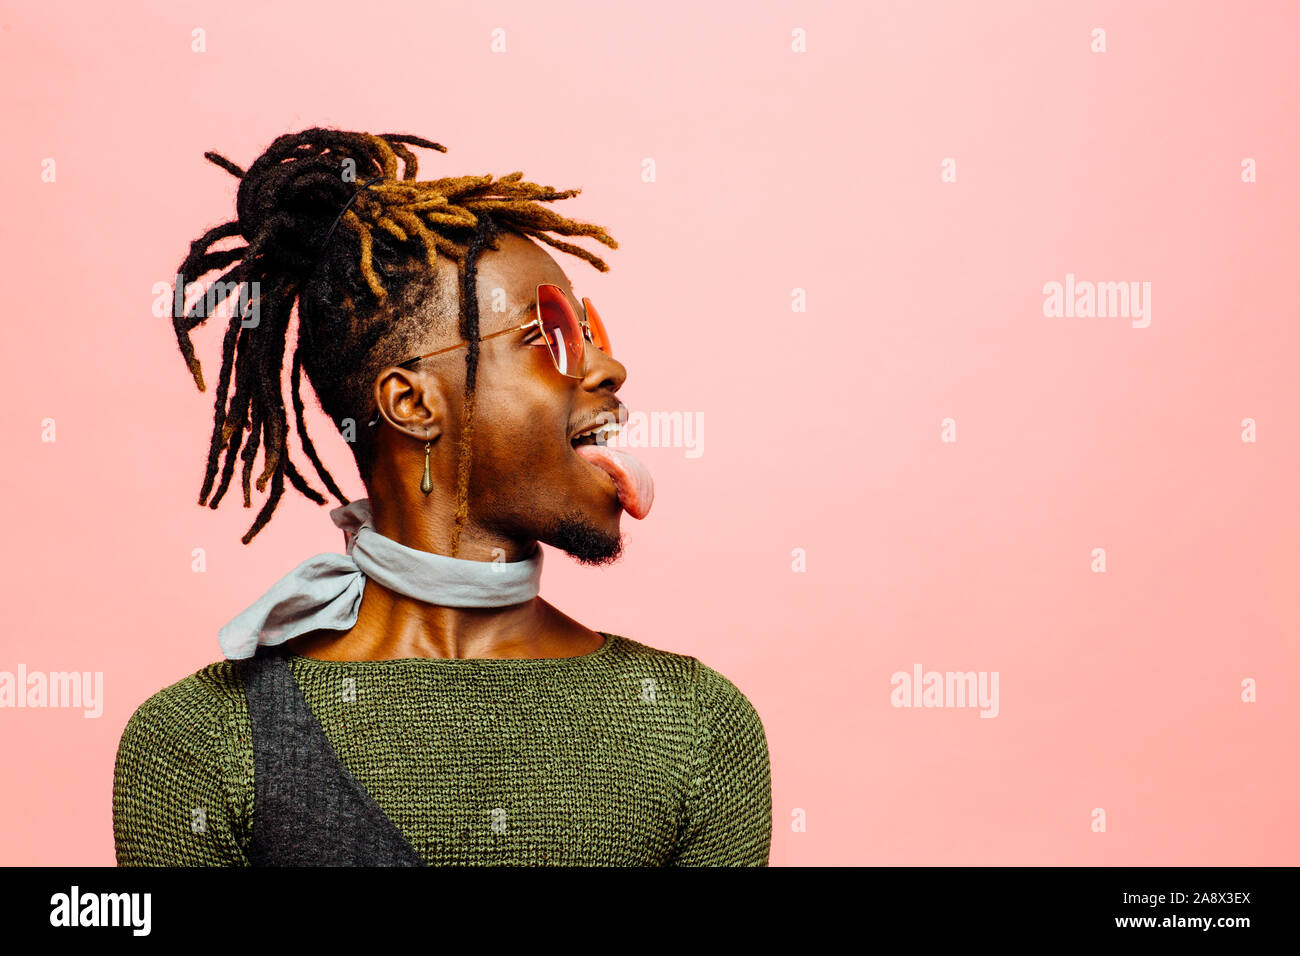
x=426 y=483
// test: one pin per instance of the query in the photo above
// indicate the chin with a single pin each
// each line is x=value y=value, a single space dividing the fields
x=586 y=542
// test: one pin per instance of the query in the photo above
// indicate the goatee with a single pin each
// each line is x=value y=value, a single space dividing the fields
x=583 y=541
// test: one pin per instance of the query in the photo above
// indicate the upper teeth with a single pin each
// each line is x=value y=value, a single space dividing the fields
x=605 y=430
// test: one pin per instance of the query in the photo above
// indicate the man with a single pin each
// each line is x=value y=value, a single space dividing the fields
x=415 y=701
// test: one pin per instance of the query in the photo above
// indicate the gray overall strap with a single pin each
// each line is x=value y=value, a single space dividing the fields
x=308 y=809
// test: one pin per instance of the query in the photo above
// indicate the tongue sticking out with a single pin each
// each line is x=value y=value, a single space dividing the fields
x=636 y=489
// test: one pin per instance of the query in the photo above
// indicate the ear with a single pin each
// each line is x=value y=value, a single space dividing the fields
x=413 y=401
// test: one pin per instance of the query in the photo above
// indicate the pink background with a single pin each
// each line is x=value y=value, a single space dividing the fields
x=776 y=171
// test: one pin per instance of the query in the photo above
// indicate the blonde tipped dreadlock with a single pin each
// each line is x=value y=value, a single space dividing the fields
x=355 y=288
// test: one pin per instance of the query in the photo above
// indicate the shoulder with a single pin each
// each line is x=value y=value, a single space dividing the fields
x=193 y=714
x=624 y=650
x=624 y=656
x=182 y=779
x=713 y=696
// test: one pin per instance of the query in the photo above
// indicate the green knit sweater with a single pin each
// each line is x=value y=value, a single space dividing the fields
x=627 y=756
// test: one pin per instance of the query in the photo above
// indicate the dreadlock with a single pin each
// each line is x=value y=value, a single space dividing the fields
x=357 y=291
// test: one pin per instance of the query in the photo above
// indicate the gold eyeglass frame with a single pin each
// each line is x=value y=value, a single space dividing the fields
x=536 y=321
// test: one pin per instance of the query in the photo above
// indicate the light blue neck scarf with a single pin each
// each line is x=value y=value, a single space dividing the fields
x=324 y=592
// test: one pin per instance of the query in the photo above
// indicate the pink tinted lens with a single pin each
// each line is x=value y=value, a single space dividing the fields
x=562 y=329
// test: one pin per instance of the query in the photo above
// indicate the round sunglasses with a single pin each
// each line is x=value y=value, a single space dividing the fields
x=563 y=331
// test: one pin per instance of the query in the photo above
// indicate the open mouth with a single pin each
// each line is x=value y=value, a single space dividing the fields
x=597 y=435
x=632 y=482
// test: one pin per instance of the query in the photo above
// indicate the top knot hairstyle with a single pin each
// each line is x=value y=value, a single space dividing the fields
x=355 y=257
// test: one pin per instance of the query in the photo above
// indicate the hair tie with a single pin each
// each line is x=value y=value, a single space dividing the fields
x=320 y=254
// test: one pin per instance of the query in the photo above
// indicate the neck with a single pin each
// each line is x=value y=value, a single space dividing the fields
x=392 y=625
x=425 y=523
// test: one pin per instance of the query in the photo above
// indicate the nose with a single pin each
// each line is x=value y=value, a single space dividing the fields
x=603 y=371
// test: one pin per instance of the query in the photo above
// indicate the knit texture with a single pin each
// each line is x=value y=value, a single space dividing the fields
x=627 y=756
